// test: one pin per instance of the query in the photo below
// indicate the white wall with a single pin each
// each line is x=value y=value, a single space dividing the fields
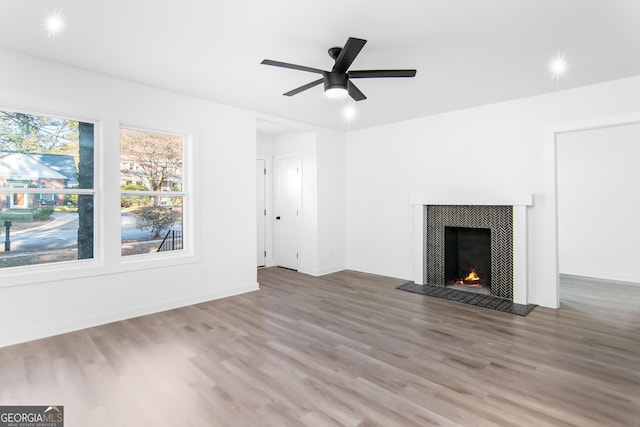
x=110 y=288
x=331 y=202
x=514 y=143
x=598 y=202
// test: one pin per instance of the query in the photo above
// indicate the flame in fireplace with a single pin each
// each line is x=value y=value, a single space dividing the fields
x=472 y=277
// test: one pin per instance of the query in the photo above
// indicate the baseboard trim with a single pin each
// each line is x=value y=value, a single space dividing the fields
x=597 y=279
x=49 y=330
x=380 y=272
x=323 y=272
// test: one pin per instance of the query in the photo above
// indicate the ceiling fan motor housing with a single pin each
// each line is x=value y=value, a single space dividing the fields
x=335 y=80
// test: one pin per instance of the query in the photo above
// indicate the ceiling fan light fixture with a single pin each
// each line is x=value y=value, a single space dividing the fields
x=336 y=92
x=336 y=85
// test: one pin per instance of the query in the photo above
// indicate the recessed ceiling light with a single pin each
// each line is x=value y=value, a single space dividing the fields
x=349 y=112
x=54 y=24
x=558 y=66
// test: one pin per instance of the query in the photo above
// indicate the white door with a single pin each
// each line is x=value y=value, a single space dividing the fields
x=287 y=203
x=261 y=212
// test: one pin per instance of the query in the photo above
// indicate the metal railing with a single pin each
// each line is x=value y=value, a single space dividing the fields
x=172 y=241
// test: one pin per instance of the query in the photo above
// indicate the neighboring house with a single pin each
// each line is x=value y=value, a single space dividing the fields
x=131 y=173
x=35 y=170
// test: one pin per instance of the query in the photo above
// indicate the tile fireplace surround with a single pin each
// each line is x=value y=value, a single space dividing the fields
x=519 y=202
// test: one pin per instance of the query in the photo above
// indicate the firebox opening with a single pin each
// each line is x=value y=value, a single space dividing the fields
x=467 y=260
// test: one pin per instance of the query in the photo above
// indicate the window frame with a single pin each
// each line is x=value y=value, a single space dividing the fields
x=61 y=270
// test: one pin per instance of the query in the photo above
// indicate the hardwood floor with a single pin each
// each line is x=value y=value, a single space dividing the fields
x=347 y=349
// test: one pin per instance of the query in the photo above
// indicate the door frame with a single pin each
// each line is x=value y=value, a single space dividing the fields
x=268 y=203
x=261 y=212
x=551 y=182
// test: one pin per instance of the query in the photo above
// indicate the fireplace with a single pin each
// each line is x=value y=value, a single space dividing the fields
x=496 y=226
x=467 y=259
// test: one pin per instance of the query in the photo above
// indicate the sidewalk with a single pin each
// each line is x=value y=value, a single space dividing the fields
x=34 y=258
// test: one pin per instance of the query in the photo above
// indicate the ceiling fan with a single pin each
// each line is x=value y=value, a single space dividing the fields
x=337 y=82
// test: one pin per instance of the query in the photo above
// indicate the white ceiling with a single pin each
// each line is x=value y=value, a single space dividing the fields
x=467 y=52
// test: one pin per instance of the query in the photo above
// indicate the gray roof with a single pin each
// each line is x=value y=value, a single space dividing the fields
x=56 y=166
x=62 y=163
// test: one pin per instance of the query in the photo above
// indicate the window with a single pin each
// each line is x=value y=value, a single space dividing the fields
x=152 y=195
x=46 y=189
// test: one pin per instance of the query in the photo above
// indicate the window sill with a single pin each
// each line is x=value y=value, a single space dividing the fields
x=71 y=270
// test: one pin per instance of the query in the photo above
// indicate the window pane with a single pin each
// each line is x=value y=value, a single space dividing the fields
x=44 y=152
x=48 y=233
x=150 y=161
x=151 y=224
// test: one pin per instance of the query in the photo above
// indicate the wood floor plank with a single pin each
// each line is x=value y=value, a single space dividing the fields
x=346 y=349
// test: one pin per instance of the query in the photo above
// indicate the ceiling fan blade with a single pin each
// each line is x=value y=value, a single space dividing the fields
x=348 y=54
x=356 y=93
x=292 y=66
x=364 y=74
x=304 y=87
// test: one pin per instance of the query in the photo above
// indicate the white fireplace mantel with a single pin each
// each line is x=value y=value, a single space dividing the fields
x=479 y=199
x=520 y=202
